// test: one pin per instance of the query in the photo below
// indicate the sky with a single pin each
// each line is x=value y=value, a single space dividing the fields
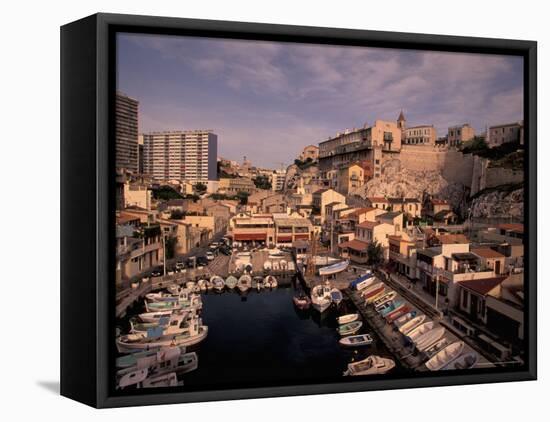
x=268 y=100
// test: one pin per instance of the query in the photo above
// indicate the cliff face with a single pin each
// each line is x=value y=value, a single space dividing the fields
x=499 y=203
x=293 y=173
x=396 y=181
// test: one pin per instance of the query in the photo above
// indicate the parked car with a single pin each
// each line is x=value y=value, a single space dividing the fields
x=202 y=261
x=157 y=272
x=180 y=265
x=210 y=256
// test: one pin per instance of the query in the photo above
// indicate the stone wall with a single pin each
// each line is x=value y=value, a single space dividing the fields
x=454 y=166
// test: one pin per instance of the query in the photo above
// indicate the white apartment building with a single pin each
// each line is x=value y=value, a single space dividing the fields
x=189 y=155
x=278 y=180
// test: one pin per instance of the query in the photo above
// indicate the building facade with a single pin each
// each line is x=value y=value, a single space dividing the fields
x=502 y=134
x=126 y=133
x=181 y=155
x=420 y=135
x=459 y=134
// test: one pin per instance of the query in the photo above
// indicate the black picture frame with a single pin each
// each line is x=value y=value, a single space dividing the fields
x=87 y=198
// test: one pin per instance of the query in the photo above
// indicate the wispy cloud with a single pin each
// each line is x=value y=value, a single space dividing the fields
x=267 y=100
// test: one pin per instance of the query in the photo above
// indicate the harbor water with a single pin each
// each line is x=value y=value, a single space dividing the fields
x=261 y=339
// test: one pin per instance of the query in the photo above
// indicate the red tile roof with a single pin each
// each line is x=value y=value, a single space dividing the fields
x=377 y=199
x=515 y=227
x=439 y=201
x=368 y=224
x=355 y=245
x=447 y=239
x=487 y=253
x=483 y=285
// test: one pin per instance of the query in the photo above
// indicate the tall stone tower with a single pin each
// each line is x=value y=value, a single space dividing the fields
x=401 y=121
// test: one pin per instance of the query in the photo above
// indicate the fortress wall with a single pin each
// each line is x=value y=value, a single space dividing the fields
x=501 y=176
x=454 y=166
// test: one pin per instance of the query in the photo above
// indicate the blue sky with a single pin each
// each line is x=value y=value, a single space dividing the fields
x=268 y=100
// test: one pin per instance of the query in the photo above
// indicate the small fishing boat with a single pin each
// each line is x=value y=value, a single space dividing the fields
x=436 y=347
x=175 y=324
x=413 y=335
x=346 y=319
x=376 y=295
x=217 y=282
x=372 y=289
x=334 y=268
x=137 y=342
x=301 y=301
x=384 y=298
x=231 y=282
x=397 y=313
x=412 y=324
x=351 y=328
x=320 y=297
x=194 y=303
x=190 y=285
x=445 y=356
x=370 y=366
x=356 y=341
x=336 y=296
x=244 y=283
x=155 y=317
x=362 y=282
x=257 y=283
x=270 y=282
x=427 y=339
x=390 y=306
x=403 y=319
x=202 y=285
x=464 y=361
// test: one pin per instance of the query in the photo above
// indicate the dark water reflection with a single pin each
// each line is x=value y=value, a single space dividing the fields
x=262 y=339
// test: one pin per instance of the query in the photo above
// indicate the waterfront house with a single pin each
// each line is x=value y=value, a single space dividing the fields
x=402 y=255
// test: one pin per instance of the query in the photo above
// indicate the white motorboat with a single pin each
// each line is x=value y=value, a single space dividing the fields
x=155 y=317
x=217 y=282
x=202 y=285
x=182 y=294
x=427 y=339
x=258 y=283
x=356 y=340
x=320 y=297
x=384 y=298
x=194 y=303
x=270 y=282
x=346 y=319
x=414 y=334
x=231 y=282
x=135 y=342
x=190 y=285
x=370 y=366
x=464 y=361
x=445 y=356
x=403 y=319
x=244 y=283
x=436 y=347
x=334 y=268
x=175 y=324
x=412 y=324
x=350 y=328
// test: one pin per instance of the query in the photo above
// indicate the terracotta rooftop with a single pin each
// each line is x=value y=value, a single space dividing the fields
x=377 y=199
x=447 y=239
x=487 y=253
x=436 y=201
x=354 y=244
x=368 y=224
x=360 y=211
x=482 y=286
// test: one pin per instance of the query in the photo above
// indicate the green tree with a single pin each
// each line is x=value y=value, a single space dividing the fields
x=200 y=188
x=177 y=214
x=262 y=182
x=375 y=254
x=242 y=197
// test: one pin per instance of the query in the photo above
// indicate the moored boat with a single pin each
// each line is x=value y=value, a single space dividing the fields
x=390 y=306
x=363 y=281
x=403 y=319
x=270 y=282
x=370 y=366
x=320 y=297
x=385 y=298
x=350 y=328
x=427 y=339
x=217 y=282
x=244 y=283
x=464 y=361
x=356 y=340
x=155 y=317
x=412 y=324
x=336 y=296
x=436 y=347
x=334 y=268
x=397 y=313
x=414 y=334
x=231 y=282
x=301 y=301
x=445 y=356
x=345 y=319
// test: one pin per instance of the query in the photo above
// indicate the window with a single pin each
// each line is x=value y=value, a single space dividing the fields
x=464 y=298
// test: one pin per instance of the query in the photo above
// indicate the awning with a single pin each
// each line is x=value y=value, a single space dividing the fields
x=249 y=236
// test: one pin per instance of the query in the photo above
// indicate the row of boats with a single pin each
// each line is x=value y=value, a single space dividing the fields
x=243 y=283
x=422 y=334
